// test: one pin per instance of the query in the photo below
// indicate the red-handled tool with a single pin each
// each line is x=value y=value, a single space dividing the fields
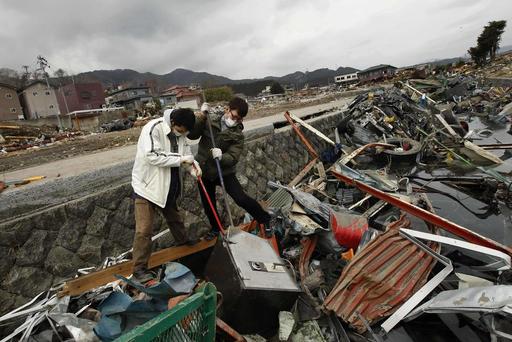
x=212 y=207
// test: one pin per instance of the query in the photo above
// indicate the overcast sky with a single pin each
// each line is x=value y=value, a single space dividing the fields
x=241 y=39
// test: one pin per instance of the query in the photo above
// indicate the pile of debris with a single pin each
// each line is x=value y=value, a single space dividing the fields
x=501 y=66
x=102 y=304
x=124 y=124
x=372 y=256
x=365 y=244
x=21 y=137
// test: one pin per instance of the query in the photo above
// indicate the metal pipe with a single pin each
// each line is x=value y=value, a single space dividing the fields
x=219 y=170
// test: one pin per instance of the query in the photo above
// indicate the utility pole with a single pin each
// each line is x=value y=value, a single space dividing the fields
x=25 y=67
x=43 y=64
x=25 y=76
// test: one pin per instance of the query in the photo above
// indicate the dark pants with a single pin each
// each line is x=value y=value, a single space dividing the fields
x=144 y=213
x=234 y=189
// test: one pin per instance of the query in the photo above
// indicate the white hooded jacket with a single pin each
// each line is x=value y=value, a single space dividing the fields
x=151 y=176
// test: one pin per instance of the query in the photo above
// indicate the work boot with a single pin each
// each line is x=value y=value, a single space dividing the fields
x=142 y=276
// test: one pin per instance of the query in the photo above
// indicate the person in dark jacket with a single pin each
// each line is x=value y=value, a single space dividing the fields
x=229 y=139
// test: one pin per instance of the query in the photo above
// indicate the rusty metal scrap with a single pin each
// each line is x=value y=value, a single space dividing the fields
x=427 y=216
x=380 y=278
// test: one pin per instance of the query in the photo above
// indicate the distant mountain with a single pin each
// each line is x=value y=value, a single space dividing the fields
x=317 y=77
x=111 y=78
x=446 y=61
x=184 y=76
x=505 y=48
x=116 y=77
x=298 y=79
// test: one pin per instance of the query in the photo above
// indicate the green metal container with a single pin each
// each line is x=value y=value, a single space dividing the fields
x=191 y=320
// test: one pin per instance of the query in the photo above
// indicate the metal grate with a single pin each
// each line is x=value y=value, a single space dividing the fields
x=191 y=320
x=191 y=328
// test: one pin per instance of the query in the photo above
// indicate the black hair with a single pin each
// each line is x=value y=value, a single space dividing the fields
x=240 y=105
x=183 y=117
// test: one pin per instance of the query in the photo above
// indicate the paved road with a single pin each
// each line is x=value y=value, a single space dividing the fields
x=300 y=112
x=76 y=165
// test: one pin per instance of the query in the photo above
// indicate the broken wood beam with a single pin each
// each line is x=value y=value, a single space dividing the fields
x=482 y=152
x=303 y=172
x=446 y=125
x=312 y=129
x=302 y=137
x=90 y=281
x=9 y=127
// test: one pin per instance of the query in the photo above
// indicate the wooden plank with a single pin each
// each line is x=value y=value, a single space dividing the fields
x=357 y=151
x=417 y=91
x=481 y=152
x=90 y=281
x=312 y=129
x=303 y=173
x=446 y=125
x=9 y=127
x=321 y=170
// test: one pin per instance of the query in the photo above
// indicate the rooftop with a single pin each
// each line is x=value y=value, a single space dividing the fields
x=377 y=67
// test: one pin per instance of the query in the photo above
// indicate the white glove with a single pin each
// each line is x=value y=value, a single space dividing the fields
x=188 y=159
x=195 y=170
x=205 y=107
x=216 y=153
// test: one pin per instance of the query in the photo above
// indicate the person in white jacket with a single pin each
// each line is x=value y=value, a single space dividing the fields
x=162 y=154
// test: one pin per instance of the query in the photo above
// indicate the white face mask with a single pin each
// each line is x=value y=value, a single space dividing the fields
x=178 y=134
x=229 y=122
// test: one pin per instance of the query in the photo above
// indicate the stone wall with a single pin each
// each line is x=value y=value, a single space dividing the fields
x=49 y=231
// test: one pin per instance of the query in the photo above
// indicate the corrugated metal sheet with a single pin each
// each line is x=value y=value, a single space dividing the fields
x=280 y=199
x=380 y=278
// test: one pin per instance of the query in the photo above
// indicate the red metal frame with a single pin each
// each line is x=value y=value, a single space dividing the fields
x=272 y=239
x=443 y=223
x=308 y=245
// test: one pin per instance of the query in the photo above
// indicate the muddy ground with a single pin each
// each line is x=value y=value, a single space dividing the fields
x=68 y=148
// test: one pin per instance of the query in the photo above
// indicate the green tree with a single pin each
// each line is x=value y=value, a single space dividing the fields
x=488 y=42
x=478 y=55
x=60 y=73
x=276 y=88
x=218 y=94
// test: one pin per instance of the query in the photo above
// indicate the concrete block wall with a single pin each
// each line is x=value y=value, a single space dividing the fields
x=47 y=232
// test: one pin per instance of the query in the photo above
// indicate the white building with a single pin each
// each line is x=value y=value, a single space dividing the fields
x=39 y=100
x=346 y=78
